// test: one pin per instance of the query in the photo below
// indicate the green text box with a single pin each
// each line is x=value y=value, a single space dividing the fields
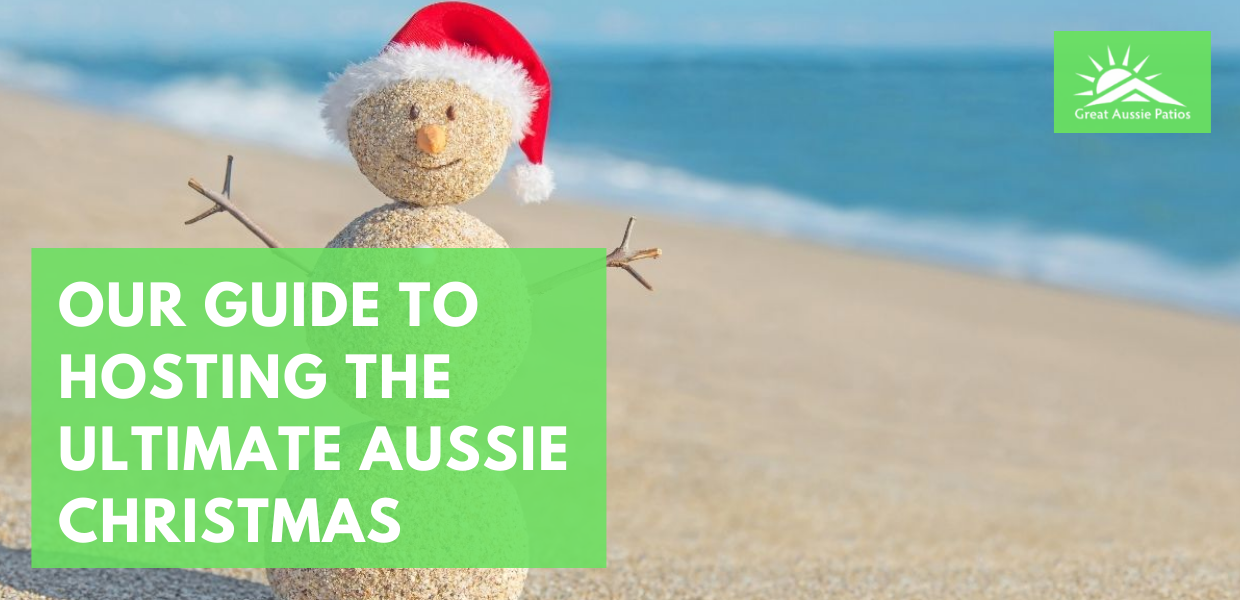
x=534 y=363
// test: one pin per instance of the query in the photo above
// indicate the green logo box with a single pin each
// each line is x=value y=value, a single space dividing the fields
x=199 y=473
x=1132 y=82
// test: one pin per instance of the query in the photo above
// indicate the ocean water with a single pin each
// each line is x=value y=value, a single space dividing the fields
x=945 y=157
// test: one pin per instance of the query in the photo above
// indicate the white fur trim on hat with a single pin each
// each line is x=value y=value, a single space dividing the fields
x=533 y=183
x=497 y=79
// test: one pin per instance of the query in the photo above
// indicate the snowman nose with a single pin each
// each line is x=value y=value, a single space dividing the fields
x=432 y=139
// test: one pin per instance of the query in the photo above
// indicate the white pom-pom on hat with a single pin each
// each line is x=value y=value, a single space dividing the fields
x=533 y=183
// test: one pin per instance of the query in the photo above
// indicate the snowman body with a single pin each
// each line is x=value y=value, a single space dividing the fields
x=401 y=225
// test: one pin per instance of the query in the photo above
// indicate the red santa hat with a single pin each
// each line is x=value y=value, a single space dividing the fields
x=470 y=45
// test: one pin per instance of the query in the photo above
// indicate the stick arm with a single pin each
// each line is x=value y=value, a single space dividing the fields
x=619 y=258
x=623 y=256
x=223 y=203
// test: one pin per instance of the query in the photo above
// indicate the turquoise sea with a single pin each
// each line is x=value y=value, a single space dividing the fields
x=939 y=156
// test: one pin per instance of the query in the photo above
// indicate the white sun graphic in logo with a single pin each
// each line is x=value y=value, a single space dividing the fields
x=1117 y=83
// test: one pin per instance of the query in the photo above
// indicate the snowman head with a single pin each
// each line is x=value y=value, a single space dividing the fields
x=430 y=118
x=429 y=142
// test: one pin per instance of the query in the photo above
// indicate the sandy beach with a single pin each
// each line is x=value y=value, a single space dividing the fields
x=785 y=420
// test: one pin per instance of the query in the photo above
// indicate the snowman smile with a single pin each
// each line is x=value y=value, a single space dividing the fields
x=435 y=167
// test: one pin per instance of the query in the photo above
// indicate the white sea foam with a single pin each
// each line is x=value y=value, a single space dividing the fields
x=19 y=72
x=275 y=113
x=1007 y=249
x=272 y=112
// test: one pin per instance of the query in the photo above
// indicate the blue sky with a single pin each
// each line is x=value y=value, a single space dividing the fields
x=873 y=23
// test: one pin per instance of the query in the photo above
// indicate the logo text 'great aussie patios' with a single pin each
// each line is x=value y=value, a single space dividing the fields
x=1098 y=90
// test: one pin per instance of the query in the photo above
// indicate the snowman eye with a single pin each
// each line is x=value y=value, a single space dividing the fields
x=413 y=112
x=451 y=113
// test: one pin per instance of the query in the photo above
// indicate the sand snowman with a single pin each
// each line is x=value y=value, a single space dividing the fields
x=429 y=121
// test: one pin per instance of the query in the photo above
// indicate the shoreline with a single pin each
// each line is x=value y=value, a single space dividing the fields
x=785 y=419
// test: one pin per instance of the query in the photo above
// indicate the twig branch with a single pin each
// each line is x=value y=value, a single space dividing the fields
x=618 y=258
x=226 y=192
x=622 y=256
x=223 y=203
